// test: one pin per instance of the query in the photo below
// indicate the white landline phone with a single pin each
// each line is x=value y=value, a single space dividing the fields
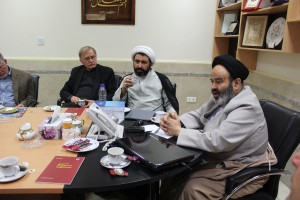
x=102 y=122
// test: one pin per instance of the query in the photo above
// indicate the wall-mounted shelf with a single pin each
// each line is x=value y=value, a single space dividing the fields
x=224 y=44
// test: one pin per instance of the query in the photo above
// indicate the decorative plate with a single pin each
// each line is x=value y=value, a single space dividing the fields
x=93 y=144
x=8 y=110
x=275 y=33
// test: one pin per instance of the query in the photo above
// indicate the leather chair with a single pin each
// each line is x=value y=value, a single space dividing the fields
x=118 y=80
x=284 y=136
x=35 y=80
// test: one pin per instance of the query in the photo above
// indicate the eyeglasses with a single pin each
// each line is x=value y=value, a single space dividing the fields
x=89 y=58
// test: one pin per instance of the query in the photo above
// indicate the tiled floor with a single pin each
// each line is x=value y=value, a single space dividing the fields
x=282 y=194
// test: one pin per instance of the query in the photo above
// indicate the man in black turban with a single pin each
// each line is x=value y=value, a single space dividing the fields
x=235 y=68
x=231 y=130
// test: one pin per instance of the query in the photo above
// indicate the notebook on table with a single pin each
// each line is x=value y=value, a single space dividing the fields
x=153 y=153
x=137 y=114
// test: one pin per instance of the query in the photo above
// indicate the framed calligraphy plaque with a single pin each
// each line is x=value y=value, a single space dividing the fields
x=108 y=12
x=255 y=30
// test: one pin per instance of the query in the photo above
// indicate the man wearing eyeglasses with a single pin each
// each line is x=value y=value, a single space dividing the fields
x=16 y=86
x=85 y=80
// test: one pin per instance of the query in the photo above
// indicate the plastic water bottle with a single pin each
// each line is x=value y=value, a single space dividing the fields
x=102 y=94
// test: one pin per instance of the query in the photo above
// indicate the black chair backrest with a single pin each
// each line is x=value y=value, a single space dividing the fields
x=118 y=80
x=35 y=80
x=174 y=86
x=284 y=136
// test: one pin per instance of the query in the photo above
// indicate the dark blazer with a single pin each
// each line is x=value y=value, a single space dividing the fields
x=103 y=75
x=22 y=87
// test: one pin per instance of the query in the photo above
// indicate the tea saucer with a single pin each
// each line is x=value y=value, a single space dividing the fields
x=155 y=121
x=127 y=109
x=20 y=174
x=49 y=108
x=105 y=163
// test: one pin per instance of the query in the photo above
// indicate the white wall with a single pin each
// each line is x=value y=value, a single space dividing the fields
x=175 y=29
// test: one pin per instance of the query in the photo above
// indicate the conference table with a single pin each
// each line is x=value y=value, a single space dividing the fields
x=91 y=176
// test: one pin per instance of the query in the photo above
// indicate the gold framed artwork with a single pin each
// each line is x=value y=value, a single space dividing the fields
x=223 y=3
x=251 y=5
x=227 y=18
x=233 y=28
x=255 y=31
x=108 y=12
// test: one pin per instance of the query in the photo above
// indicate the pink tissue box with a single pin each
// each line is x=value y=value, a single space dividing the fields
x=52 y=131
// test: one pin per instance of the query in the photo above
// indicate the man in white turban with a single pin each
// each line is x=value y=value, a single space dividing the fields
x=146 y=89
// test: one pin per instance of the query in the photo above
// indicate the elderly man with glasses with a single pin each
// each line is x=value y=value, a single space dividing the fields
x=85 y=80
x=16 y=86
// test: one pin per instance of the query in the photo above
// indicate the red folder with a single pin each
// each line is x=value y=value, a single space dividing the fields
x=62 y=169
x=75 y=110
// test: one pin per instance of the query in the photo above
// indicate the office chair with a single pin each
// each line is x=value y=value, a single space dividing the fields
x=118 y=80
x=284 y=136
x=35 y=80
x=174 y=86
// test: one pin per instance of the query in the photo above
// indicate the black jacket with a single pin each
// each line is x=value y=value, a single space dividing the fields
x=103 y=75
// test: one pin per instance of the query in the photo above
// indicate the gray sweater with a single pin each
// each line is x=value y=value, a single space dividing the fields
x=237 y=132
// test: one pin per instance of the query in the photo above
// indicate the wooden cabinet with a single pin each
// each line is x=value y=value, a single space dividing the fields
x=232 y=44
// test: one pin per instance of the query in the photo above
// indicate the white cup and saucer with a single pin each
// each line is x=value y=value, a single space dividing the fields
x=115 y=155
x=115 y=159
x=9 y=166
x=158 y=115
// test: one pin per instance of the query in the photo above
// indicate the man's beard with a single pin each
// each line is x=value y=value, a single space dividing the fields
x=141 y=72
x=225 y=96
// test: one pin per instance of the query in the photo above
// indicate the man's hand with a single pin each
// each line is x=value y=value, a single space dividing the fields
x=126 y=83
x=170 y=124
x=75 y=99
x=89 y=102
x=295 y=186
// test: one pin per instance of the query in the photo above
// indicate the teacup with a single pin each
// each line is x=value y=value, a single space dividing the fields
x=25 y=132
x=81 y=102
x=115 y=155
x=9 y=166
x=158 y=115
x=133 y=79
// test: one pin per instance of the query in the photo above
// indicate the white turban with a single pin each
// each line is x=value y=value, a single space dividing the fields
x=145 y=50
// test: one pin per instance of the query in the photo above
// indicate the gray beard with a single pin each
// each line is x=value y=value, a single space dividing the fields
x=225 y=96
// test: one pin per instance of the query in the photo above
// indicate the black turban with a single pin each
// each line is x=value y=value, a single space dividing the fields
x=235 y=68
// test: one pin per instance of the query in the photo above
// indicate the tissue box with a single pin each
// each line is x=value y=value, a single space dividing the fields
x=52 y=131
x=117 y=107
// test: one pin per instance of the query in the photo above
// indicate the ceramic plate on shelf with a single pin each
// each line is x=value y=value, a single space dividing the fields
x=49 y=108
x=275 y=33
x=8 y=110
x=20 y=174
x=105 y=163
